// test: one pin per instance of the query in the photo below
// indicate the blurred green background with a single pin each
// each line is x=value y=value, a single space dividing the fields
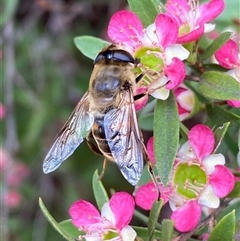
x=43 y=76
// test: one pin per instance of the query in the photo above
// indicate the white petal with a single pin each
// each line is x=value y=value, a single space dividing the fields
x=176 y=201
x=150 y=36
x=161 y=94
x=128 y=234
x=208 y=27
x=185 y=152
x=208 y=198
x=158 y=90
x=211 y=161
x=175 y=50
x=186 y=100
x=107 y=213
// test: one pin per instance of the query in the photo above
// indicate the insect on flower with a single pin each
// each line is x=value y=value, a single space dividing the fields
x=106 y=117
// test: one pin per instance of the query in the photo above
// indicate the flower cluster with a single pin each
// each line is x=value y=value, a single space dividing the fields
x=111 y=224
x=13 y=172
x=199 y=178
x=164 y=45
x=228 y=57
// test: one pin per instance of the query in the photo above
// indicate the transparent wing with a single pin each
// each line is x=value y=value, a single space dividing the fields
x=70 y=136
x=124 y=138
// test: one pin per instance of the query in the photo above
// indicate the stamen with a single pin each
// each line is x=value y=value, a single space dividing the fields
x=195 y=187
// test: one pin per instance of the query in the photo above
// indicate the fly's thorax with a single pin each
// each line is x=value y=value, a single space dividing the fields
x=107 y=81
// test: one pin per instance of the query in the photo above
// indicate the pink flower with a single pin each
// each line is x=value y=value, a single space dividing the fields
x=186 y=101
x=18 y=172
x=12 y=199
x=228 y=56
x=2 y=111
x=192 y=19
x=199 y=178
x=161 y=58
x=111 y=224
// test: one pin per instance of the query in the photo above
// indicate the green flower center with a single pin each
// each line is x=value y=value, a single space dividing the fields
x=152 y=63
x=150 y=58
x=110 y=235
x=189 y=180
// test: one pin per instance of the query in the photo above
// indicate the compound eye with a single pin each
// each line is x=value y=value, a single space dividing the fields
x=99 y=57
x=121 y=55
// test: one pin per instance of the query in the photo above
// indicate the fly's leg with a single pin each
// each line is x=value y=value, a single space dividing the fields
x=150 y=170
x=103 y=169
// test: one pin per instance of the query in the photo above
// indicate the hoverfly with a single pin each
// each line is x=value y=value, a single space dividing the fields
x=106 y=117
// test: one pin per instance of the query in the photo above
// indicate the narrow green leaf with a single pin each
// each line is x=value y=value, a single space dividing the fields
x=146 y=122
x=235 y=192
x=215 y=45
x=224 y=230
x=219 y=86
x=90 y=46
x=219 y=134
x=221 y=115
x=143 y=233
x=167 y=230
x=69 y=228
x=166 y=136
x=9 y=7
x=153 y=218
x=232 y=206
x=53 y=222
x=147 y=10
x=99 y=191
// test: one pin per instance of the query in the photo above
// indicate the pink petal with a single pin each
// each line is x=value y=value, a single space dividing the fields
x=187 y=217
x=202 y=141
x=83 y=214
x=146 y=195
x=140 y=103
x=194 y=35
x=122 y=205
x=150 y=150
x=125 y=27
x=177 y=8
x=176 y=73
x=234 y=103
x=167 y=29
x=222 y=180
x=209 y=11
x=227 y=55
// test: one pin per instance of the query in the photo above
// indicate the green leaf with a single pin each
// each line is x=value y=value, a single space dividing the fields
x=219 y=134
x=9 y=7
x=167 y=230
x=90 y=46
x=99 y=191
x=215 y=45
x=220 y=115
x=143 y=233
x=146 y=122
x=153 y=217
x=69 y=228
x=219 y=86
x=236 y=191
x=147 y=10
x=232 y=206
x=224 y=230
x=166 y=136
x=53 y=222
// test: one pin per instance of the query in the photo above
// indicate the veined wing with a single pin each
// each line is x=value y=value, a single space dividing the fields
x=124 y=138
x=70 y=136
